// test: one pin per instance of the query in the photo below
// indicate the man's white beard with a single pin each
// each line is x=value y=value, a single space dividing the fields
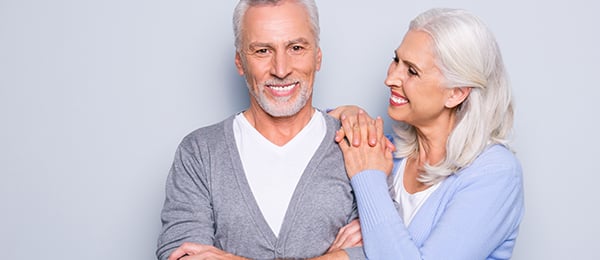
x=280 y=106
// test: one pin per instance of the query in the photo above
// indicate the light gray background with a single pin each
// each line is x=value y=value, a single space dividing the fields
x=96 y=95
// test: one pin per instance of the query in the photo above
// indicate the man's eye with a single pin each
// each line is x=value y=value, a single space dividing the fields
x=396 y=59
x=297 y=48
x=262 y=51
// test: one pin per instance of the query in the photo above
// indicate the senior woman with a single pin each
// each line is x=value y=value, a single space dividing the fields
x=456 y=187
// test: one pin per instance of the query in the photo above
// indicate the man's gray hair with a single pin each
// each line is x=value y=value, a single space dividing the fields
x=240 y=10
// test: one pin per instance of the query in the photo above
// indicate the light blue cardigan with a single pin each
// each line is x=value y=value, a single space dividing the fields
x=474 y=214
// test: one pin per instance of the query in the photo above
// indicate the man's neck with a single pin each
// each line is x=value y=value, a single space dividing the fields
x=279 y=130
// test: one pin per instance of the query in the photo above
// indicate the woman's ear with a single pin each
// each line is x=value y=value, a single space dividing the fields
x=457 y=96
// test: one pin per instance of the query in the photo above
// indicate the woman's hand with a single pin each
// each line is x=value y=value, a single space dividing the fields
x=350 y=113
x=358 y=156
x=348 y=110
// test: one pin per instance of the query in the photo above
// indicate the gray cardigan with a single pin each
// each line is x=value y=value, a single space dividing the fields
x=208 y=200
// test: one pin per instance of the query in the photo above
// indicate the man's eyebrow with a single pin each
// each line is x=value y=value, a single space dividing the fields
x=298 y=40
x=258 y=45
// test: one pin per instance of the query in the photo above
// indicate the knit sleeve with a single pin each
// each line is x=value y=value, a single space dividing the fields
x=187 y=211
x=477 y=218
x=384 y=234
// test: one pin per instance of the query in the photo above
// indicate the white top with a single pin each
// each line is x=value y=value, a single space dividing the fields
x=410 y=203
x=273 y=171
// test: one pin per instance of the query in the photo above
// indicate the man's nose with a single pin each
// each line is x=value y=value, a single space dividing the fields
x=281 y=66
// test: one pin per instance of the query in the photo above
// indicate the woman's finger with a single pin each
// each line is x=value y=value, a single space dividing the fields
x=347 y=127
x=373 y=133
x=339 y=135
x=360 y=129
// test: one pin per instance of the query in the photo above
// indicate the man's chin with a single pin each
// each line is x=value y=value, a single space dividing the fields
x=284 y=112
x=282 y=109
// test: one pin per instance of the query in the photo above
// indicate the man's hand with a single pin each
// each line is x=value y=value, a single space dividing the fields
x=193 y=251
x=348 y=236
x=335 y=255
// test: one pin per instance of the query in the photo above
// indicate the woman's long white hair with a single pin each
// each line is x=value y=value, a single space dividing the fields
x=468 y=56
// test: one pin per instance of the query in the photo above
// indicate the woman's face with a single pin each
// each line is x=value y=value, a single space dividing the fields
x=417 y=94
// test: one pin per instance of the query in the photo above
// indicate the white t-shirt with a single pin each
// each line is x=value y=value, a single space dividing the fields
x=410 y=203
x=273 y=171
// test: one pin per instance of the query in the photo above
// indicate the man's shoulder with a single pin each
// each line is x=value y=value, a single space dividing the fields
x=209 y=132
x=330 y=122
x=219 y=126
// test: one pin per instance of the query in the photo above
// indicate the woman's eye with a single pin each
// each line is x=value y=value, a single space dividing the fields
x=396 y=59
x=412 y=71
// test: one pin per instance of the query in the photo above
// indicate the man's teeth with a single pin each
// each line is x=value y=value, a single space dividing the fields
x=399 y=100
x=283 y=88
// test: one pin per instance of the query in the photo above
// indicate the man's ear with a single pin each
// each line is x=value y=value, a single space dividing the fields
x=239 y=63
x=319 y=59
x=457 y=96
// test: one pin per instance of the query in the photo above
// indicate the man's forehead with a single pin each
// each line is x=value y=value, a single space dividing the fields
x=271 y=20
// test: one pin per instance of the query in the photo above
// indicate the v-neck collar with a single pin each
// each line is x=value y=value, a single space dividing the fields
x=252 y=206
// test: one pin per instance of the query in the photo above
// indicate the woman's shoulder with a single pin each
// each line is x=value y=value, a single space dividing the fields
x=495 y=161
x=497 y=155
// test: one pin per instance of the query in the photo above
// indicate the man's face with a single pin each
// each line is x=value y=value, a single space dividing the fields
x=279 y=58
